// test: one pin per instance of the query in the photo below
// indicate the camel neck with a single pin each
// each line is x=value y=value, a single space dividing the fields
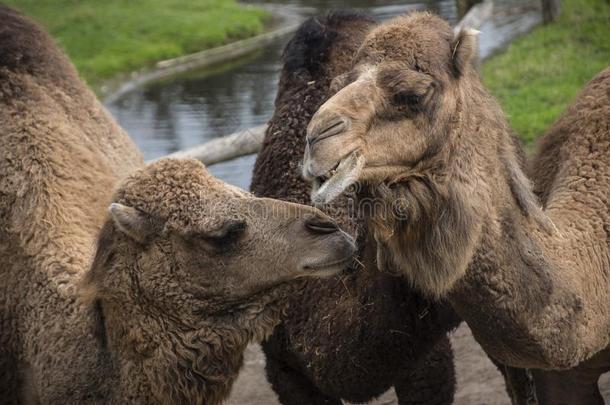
x=165 y=360
x=518 y=294
x=159 y=361
x=513 y=292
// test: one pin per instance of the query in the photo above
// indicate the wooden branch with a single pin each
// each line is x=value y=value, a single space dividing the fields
x=227 y=147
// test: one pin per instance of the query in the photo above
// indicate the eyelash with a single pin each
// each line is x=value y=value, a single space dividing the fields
x=230 y=237
x=406 y=98
x=224 y=241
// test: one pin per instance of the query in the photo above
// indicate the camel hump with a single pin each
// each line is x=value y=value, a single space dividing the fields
x=598 y=90
x=587 y=116
x=585 y=121
x=26 y=48
x=310 y=48
x=573 y=157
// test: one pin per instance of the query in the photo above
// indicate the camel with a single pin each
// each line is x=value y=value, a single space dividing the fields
x=455 y=214
x=361 y=333
x=187 y=270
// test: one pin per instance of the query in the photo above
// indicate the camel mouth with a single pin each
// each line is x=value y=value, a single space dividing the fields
x=333 y=183
x=325 y=270
x=325 y=177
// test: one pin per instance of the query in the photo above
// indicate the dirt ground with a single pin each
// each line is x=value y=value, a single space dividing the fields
x=478 y=380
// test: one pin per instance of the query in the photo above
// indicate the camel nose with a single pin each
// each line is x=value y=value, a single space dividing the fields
x=325 y=125
x=321 y=225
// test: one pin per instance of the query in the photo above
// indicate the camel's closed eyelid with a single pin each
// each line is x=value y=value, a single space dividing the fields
x=222 y=236
x=416 y=98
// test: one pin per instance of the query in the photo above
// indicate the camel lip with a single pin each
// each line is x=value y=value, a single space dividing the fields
x=328 y=187
x=323 y=178
x=327 y=269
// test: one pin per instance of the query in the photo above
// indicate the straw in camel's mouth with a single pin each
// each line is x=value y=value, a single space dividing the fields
x=329 y=186
x=322 y=179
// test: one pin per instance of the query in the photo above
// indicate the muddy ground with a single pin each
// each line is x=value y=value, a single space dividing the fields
x=479 y=382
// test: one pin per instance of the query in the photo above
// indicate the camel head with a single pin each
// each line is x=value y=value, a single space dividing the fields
x=412 y=124
x=393 y=110
x=183 y=241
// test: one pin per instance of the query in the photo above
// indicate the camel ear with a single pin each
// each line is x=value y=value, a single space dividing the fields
x=131 y=222
x=463 y=49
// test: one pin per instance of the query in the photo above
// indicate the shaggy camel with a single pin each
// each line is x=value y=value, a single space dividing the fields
x=359 y=334
x=415 y=126
x=187 y=271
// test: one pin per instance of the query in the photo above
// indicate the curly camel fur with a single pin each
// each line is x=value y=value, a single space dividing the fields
x=187 y=270
x=583 y=125
x=461 y=218
x=356 y=336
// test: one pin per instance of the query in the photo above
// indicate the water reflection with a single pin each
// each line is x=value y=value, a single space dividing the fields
x=191 y=109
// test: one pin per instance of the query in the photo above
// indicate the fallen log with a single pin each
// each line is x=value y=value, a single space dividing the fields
x=227 y=147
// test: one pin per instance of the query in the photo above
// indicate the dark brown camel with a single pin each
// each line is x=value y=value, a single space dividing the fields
x=356 y=336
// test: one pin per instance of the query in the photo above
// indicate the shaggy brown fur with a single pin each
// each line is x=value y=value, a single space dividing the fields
x=357 y=335
x=438 y=151
x=586 y=118
x=60 y=154
x=193 y=272
x=187 y=271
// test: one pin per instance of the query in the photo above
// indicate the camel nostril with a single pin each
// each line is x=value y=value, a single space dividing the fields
x=320 y=225
x=331 y=128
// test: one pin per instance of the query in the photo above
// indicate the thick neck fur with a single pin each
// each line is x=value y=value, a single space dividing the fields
x=520 y=294
x=429 y=226
x=159 y=358
x=468 y=226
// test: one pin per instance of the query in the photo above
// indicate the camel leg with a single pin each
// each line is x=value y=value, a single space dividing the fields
x=293 y=388
x=10 y=383
x=433 y=381
x=519 y=384
x=290 y=385
x=575 y=386
x=554 y=387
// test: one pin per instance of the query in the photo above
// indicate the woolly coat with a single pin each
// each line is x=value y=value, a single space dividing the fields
x=356 y=335
x=60 y=157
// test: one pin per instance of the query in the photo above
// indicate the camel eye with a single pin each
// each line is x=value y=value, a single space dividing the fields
x=225 y=236
x=407 y=98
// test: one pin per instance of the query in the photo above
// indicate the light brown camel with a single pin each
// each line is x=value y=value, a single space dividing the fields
x=187 y=271
x=454 y=212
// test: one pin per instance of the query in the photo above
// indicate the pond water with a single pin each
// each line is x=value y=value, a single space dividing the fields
x=193 y=108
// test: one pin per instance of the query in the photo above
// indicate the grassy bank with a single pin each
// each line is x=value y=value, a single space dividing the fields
x=108 y=37
x=540 y=73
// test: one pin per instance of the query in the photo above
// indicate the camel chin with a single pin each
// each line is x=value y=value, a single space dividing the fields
x=338 y=180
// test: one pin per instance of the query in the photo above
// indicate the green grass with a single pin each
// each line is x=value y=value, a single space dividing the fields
x=108 y=37
x=541 y=73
